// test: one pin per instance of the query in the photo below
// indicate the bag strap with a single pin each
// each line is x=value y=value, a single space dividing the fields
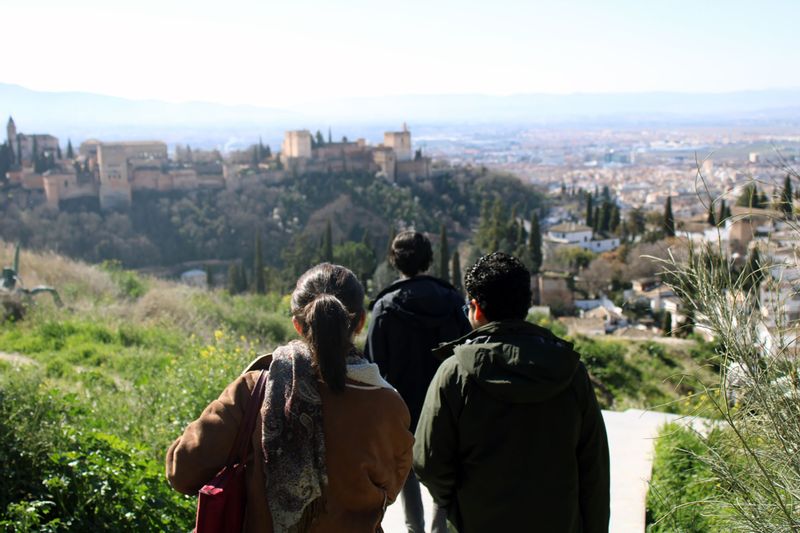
x=241 y=445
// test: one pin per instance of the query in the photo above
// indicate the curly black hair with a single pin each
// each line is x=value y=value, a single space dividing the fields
x=501 y=285
x=411 y=253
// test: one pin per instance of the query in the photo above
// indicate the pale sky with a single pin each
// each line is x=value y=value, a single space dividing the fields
x=278 y=54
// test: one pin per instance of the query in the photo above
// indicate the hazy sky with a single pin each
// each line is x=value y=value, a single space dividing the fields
x=284 y=53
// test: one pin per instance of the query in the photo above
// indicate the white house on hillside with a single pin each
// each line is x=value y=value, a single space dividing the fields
x=573 y=234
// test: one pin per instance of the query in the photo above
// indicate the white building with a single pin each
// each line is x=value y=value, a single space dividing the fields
x=573 y=234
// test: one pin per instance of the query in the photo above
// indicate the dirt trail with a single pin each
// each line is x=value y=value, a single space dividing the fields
x=17 y=359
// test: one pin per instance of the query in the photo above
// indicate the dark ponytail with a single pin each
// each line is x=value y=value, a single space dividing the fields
x=328 y=335
x=328 y=302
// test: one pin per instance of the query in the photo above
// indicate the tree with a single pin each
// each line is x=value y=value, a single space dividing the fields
x=596 y=277
x=615 y=219
x=330 y=138
x=786 y=197
x=669 y=220
x=605 y=214
x=456 y=271
x=259 y=283
x=35 y=157
x=589 y=211
x=666 y=323
x=6 y=159
x=724 y=212
x=326 y=251
x=58 y=151
x=356 y=256
x=750 y=197
x=636 y=222
x=711 y=219
x=70 y=151
x=444 y=254
x=753 y=271
x=233 y=279
x=535 y=243
x=320 y=138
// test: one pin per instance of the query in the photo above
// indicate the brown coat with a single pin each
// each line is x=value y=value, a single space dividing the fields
x=367 y=443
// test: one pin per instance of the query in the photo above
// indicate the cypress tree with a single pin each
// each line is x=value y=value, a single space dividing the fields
x=589 y=211
x=498 y=225
x=258 y=267
x=444 y=254
x=456 y=271
x=483 y=234
x=605 y=215
x=233 y=278
x=763 y=201
x=666 y=323
x=711 y=219
x=786 y=202
x=669 y=220
x=35 y=157
x=596 y=219
x=535 y=243
x=58 y=151
x=750 y=196
x=721 y=217
x=615 y=219
x=70 y=151
x=241 y=279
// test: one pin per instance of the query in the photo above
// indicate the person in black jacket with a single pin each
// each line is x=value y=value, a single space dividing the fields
x=411 y=317
x=511 y=437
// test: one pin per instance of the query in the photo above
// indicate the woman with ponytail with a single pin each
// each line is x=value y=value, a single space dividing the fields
x=331 y=446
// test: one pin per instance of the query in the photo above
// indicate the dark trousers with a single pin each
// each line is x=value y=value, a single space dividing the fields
x=415 y=514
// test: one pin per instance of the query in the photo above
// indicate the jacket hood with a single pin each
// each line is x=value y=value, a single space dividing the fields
x=515 y=361
x=423 y=299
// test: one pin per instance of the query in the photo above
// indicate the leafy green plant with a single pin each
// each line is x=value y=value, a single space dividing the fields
x=682 y=487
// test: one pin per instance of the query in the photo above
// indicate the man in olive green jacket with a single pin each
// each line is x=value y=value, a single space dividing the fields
x=511 y=437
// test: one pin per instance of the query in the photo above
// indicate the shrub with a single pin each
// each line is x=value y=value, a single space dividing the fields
x=757 y=399
x=682 y=485
x=61 y=477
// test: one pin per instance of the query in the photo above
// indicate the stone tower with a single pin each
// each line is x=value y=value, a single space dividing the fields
x=11 y=130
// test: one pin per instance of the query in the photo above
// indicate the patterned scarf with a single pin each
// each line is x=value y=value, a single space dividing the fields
x=292 y=440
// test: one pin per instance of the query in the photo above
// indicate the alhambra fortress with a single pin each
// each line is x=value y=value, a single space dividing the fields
x=110 y=172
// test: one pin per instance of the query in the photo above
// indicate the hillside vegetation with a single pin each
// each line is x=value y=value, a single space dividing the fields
x=171 y=228
x=95 y=391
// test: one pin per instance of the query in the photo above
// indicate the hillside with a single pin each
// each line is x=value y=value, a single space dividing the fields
x=91 y=394
x=163 y=229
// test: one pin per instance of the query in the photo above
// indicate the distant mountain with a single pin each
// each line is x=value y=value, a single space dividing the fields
x=79 y=116
x=578 y=107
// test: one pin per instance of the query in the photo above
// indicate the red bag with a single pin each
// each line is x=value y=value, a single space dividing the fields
x=221 y=502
